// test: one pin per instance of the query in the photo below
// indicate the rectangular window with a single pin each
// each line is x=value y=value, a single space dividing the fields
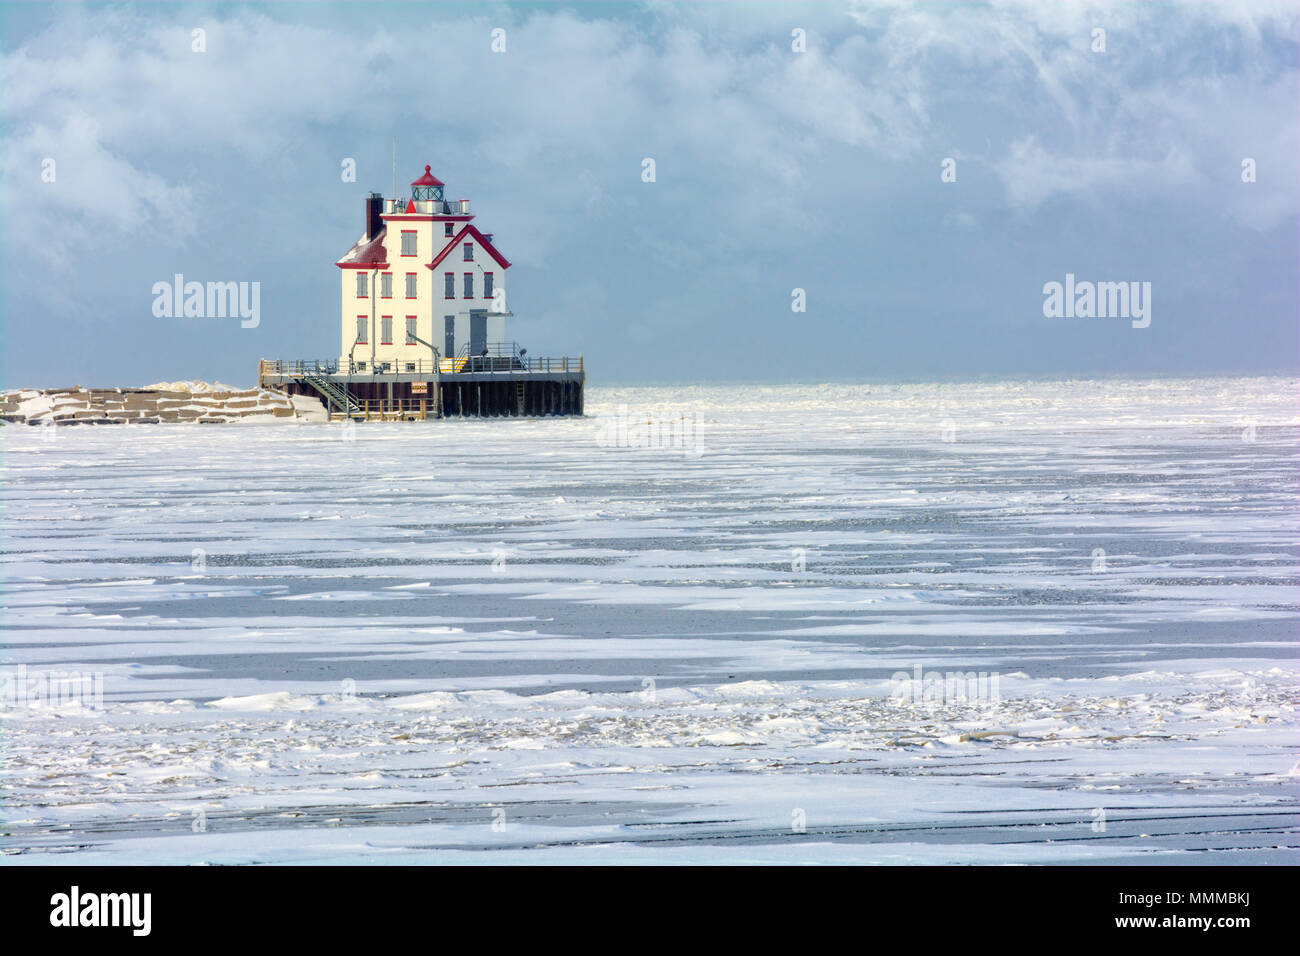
x=361 y=285
x=410 y=285
x=408 y=243
x=410 y=330
x=386 y=330
x=362 y=325
x=469 y=252
x=410 y=366
x=469 y=285
x=449 y=285
x=487 y=285
x=386 y=285
x=446 y=229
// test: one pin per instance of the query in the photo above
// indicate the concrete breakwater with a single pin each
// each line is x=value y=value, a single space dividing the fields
x=155 y=405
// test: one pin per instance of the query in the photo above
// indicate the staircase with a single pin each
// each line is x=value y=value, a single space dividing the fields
x=335 y=395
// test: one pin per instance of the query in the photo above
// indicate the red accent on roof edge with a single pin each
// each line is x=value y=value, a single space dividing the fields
x=455 y=241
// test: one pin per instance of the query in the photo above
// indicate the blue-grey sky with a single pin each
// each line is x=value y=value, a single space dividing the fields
x=775 y=170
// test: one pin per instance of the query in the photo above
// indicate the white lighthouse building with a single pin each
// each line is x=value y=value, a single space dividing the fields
x=422 y=284
x=422 y=325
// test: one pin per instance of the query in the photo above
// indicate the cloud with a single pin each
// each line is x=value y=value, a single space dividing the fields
x=775 y=168
x=96 y=196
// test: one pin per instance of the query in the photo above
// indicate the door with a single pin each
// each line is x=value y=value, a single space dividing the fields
x=477 y=331
x=449 y=336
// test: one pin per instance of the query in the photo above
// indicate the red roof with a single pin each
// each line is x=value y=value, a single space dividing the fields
x=428 y=179
x=366 y=253
x=482 y=240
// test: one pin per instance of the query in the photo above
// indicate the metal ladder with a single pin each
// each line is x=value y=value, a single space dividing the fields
x=519 y=396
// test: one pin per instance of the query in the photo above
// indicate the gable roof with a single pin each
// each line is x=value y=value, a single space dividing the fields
x=366 y=253
x=482 y=240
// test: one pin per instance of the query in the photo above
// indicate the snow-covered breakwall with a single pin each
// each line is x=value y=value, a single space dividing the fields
x=152 y=404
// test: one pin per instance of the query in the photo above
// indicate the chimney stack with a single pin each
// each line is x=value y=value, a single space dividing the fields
x=374 y=207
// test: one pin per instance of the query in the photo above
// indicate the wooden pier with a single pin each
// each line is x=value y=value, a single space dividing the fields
x=478 y=387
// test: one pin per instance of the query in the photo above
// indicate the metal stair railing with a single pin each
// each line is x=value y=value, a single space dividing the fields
x=336 y=395
x=499 y=357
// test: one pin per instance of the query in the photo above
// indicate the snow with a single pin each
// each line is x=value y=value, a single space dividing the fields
x=190 y=386
x=360 y=648
x=160 y=403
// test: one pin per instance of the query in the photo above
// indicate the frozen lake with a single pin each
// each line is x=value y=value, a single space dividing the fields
x=671 y=631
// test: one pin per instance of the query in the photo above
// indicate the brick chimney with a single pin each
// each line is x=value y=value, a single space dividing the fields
x=374 y=207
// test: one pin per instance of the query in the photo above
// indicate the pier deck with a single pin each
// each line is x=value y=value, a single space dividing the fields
x=479 y=387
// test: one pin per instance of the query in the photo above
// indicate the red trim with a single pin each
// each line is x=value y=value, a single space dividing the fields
x=362 y=265
x=422 y=217
x=502 y=261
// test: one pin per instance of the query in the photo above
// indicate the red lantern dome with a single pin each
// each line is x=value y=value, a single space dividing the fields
x=428 y=179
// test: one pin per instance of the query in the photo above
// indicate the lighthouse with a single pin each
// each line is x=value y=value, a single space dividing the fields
x=423 y=324
x=422 y=279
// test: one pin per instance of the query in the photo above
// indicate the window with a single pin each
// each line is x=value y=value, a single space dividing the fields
x=469 y=252
x=449 y=285
x=362 y=326
x=410 y=330
x=386 y=330
x=410 y=285
x=361 y=285
x=469 y=285
x=386 y=285
x=408 y=243
x=361 y=366
x=410 y=366
x=446 y=231
x=487 y=285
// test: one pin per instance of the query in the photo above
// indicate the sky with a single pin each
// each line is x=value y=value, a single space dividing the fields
x=920 y=171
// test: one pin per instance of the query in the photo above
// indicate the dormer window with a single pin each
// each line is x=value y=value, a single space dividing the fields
x=469 y=252
x=447 y=229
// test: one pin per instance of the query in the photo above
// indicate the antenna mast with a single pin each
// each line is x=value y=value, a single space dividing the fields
x=394 y=169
